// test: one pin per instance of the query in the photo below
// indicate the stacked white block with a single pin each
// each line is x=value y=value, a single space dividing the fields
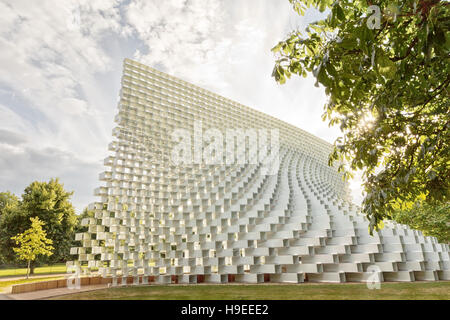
x=232 y=221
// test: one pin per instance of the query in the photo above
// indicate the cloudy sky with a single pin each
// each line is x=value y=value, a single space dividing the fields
x=60 y=69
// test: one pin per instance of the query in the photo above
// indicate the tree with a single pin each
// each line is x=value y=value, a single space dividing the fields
x=431 y=220
x=388 y=89
x=32 y=242
x=51 y=203
x=12 y=222
x=7 y=201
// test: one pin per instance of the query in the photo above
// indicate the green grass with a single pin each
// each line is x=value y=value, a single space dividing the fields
x=57 y=268
x=5 y=284
x=388 y=291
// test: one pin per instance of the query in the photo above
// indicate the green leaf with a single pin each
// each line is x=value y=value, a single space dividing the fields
x=385 y=66
x=339 y=12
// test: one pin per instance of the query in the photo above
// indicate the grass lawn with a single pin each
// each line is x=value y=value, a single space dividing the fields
x=388 y=291
x=57 y=268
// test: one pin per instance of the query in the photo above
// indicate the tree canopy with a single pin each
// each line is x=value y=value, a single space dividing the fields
x=51 y=203
x=12 y=221
x=48 y=201
x=8 y=201
x=431 y=220
x=385 y=69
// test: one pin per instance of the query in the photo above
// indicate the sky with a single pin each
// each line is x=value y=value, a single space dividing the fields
x=61 y=63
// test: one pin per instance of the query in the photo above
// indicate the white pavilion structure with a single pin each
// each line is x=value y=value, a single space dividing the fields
x=277 y=213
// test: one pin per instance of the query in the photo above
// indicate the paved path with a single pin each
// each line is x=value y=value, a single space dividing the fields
x=5 y=297
x=45 y=294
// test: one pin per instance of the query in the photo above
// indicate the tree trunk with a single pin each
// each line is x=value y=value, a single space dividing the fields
x=28 y=269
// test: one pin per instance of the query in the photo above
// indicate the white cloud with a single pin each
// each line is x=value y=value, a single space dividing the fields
x=177 y=34
x=21 y=165
x=11 y=121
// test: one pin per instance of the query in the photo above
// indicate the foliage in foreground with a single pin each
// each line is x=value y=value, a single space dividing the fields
x=388 y=89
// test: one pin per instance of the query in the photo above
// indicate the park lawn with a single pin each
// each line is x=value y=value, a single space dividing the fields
x=388 y=291
x=57 y=268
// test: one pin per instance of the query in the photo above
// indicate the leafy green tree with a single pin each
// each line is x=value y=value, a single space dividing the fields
x=8 y=201
x=385 y=67
x=431 y=220
x=32 y=243
x=12 y=222
x=51 y=203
